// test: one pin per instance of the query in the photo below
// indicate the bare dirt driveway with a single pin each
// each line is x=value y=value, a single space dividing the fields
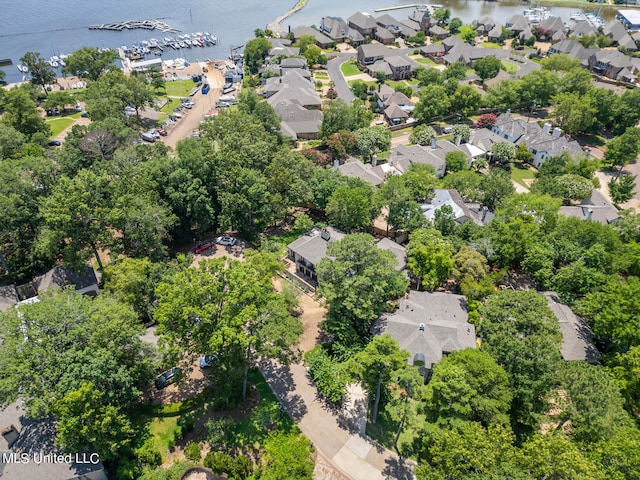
x=191 y=119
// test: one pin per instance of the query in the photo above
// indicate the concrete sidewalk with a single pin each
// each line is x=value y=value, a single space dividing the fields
x=337 y=436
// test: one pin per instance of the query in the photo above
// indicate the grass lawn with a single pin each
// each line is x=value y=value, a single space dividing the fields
x=520 y=173
x=58 y=125
x=383 y=155
x=321 y=76
x=165 y=423
x=180 y=88
x=491 y=45
x=370 y=82
x=402 y=131
x=384 y=432
x=170 y=106
x=425 y=61
x=509 y=67
x=349 y=69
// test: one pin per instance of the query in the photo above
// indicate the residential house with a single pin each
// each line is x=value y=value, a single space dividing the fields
x=582 y=28
x=613 y=64
x=282 y=46
x=485 y=24
x=596 y=208
x=398 y=250
x=571 y=47
x=421 y=18
x=384 y=36
x=8 y=297
x=305 y=97
x=363 y=23
x=555 y=26
x=577 y=337
x=335 y=28
x=518 y=24
x=321 y=39
x=297 y=122
x=462 y=211
x=371 y=53
x=373 y=174
x=495 y=33
x=390 y=23
x=408 y=28
x=433 y=51
x=22 y=435
x=290 y=78
x=401 y=67
x=451 y=42
x=429 y=325
x=438 y=33
x=403 y=156
x=397 y=107
x=307 y=251
x=293 y=62
x=543 y=143
x=484 y=139
x=616 y=31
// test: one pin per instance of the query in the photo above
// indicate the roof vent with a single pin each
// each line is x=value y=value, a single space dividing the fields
x=421 y=327
x=325 y=235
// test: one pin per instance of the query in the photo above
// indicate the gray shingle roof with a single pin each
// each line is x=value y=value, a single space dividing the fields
x=297 y=119
x=37 y=436
x=320 y=37
x=446 y=328
x=306 y=97
x=577 y=338
x=398 y=250
x=63 y=277
x=356 y=169
x=312 y=247
x=360 y=20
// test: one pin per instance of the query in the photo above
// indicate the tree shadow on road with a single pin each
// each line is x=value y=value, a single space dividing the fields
x=398 y=468
x=283 y=385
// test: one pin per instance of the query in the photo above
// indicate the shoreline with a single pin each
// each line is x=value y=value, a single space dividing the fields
x=275 y=26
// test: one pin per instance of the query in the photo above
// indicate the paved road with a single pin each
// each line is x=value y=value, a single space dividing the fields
x=341 y=86
x=337 y=437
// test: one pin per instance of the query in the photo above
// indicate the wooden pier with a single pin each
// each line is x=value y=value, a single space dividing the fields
x=151 y=24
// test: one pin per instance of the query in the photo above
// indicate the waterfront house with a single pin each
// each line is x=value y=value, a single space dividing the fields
x=321 y=39
x=363 y=23
x=613 y=64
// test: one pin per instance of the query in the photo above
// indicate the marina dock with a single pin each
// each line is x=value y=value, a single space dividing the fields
x=411 y=5
x=151 y=24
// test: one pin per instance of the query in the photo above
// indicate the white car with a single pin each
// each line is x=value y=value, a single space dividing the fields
x=226 y=241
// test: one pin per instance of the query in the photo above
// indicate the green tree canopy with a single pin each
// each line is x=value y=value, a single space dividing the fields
x=53 y=347
x=352 y=207
x=429 y=257
x=422 y=135
x=229 y=308
x=487 y=67
x=521 y=333
x=468 y=386
x=90 y=62
x=434 y=103
x=357 y=283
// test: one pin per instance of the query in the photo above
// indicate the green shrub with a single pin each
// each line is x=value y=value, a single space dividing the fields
x=218 y=462
x=193 y=452
x=326 y=374
x=148 y=455
x=241 y=467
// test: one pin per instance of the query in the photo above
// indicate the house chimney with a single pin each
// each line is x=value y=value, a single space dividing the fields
x=433 y=142
x=336 y=164
x=325 y=235
x=589 y=214
x=374 y=160
x=557 y=132
x=458 y=140
x=546 y=128
x=508 y=112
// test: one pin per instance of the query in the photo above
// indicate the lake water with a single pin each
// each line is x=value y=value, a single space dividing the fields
x=58 y=27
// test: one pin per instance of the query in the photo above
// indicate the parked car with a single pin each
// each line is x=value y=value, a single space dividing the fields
x=54 y=143
x=188 y=105
x=222 y=104
x=161 y=131
x=84 y=114
x=207 y=361
x=167 y=378
x=226 y=241
x=447 y=129
x=204 y=246
x=78 y=107
x=148 y=137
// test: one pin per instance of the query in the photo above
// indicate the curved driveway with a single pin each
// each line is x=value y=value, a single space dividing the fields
x=341 y=86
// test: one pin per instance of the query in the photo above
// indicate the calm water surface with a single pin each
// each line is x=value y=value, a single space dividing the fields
x=58 y=27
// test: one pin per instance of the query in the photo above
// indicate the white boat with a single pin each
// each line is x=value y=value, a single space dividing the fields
x=23 y=68
x=536 y=14
x=577 y=17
